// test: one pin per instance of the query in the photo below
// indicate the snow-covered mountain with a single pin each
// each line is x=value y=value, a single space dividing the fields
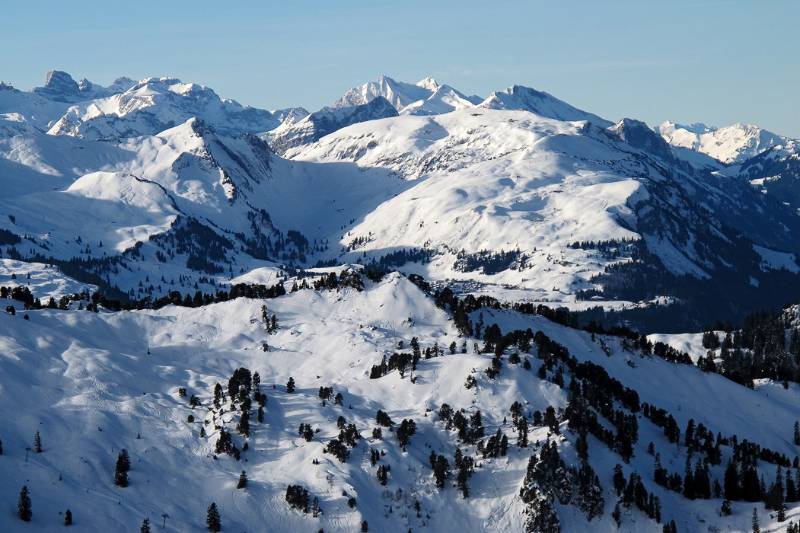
x=775 y=171
x=504 y=201
x=292 y=133
x=155 y=104
x=730 y=144
x=59 y=86
x=395 y=257
x=513 y=199
x=426 y=97
x=539 y=103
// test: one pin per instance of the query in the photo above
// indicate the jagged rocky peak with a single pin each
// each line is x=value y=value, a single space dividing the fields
x=639 y=135
x=59 y=86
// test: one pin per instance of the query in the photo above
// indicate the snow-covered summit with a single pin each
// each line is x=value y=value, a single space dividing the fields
x=155 y=104
x=540 y=103
x=426 y=97
x=729 y=144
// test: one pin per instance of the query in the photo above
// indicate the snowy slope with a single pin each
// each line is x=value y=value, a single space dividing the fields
x=33 y=108
x=520 y=183
x=92 y=384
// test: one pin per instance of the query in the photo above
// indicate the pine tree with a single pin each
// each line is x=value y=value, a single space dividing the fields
x=145 y=526
x=774 y=498
x=550 y=419
x=756 y=528
x=24 y=510
x=441 y=469
x=407 y=428
x=121 y=469
x=731 y=482
x=68 y=518
x=212 y=518
x=791 y=488
x=582 y=446
x=290 y=385
x=544 y=519
x=797 y=433
x=522 y=431
x=242 y=480
x=619 y=479
x=37 y=442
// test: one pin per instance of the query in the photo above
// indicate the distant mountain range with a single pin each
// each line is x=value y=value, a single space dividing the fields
x=518 y=191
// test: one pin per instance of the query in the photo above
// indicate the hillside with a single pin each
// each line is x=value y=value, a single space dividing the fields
x=91 y=390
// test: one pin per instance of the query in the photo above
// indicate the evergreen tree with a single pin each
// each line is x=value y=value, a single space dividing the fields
x=797 y=433
x=290 y=385
x=37 y=442
x=731 y=482
x=544 y=518
x=791 y=489
x=213 y=521
x=751 y=487
x=24 y=509
x=619 y=479
x=407 y=428
x=121 y=469
x=68 y=518
x=756 y=528
x=145 y=526
x=242 y=480
x=550 y=419
x=774 y=498
x=522 y=431
x=582 y=446
x=383 y=474
x=441 y=469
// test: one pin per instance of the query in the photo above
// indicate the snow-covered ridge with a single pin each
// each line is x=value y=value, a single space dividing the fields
x=426 y=97
x=730 y=144
x=155 y=104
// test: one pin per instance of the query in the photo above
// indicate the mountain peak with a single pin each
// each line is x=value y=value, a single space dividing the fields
x=729 y=144
x=519 y=97
x=59 y=86
x=428 y=83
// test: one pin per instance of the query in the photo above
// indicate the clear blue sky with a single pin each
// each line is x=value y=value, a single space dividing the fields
x=717 y=61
